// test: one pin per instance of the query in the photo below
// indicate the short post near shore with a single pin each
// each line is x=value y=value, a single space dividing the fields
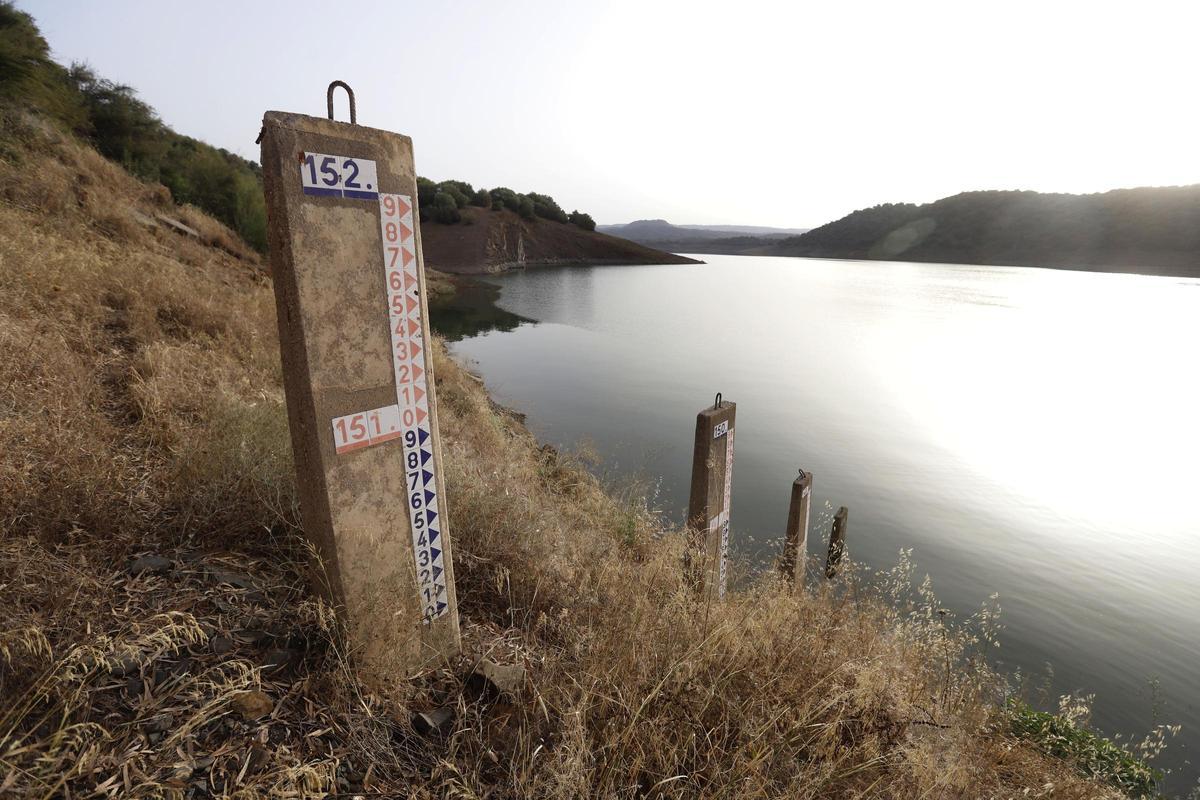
x=708 y=509
x=837 y=542
x=795 y=544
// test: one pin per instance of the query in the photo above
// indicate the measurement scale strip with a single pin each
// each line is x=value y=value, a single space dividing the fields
x=412 y=398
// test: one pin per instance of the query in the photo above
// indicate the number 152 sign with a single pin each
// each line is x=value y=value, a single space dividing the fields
x=338 y=176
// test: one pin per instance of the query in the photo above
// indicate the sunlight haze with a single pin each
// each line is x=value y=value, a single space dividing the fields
x=785 y=114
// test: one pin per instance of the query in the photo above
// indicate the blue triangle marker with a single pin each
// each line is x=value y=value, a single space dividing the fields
x=437 y=571
x=433 y=535
x=429 y=496
x=426 y=477
x=440 y=608
x=421 y=436
x=425 y=456
x=432 y=516
x=434 y=553
x=438 y=589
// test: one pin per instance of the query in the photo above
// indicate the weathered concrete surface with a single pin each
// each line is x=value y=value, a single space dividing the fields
x=794 y=561
x=327 y=264
x=711 y=466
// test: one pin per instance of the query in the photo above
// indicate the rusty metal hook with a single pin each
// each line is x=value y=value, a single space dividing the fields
x=349 y=93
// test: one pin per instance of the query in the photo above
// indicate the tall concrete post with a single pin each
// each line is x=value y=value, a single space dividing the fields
x=708 y=509
x=795 y=544
x=349 y=281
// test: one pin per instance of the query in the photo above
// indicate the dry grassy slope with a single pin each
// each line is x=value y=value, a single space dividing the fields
x=140 y=412
x=491 y=241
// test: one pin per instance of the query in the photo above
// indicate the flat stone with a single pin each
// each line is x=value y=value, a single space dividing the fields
x=177 y=225
x=237 y=580
x=438 y=720
x=280 y=658
x=125 y=667
x=253 y=704
x=492 y=680
x=160 y=723
x=154 y=565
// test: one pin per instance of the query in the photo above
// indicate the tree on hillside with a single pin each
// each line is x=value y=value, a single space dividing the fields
x=506 y=197
x=445 y=209
x=482 y=198
x=28 y=76
x=525 y=207
x=123 y=128
x=461 y=191
x=545 y=207
x=582 y=220
x=426 y=191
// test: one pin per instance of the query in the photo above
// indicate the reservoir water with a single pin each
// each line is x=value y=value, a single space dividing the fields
x=1028 y=432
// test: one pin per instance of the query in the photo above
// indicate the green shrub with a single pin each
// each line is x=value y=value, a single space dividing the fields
x=545 y=207
x=507 y=197
x=482 y=198
x=461 y=191
x=526 y=208
x=582 y=220
x=426 y=191
x=445 y=209
x=29 y=77
x=1092 y=755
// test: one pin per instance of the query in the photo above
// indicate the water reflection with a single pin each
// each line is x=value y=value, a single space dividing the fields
x=472 y=310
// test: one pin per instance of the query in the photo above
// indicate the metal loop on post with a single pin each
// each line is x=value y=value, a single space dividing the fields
x=717 y=403
x=349 y=93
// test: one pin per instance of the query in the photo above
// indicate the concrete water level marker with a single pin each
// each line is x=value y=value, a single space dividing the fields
x=358 y=375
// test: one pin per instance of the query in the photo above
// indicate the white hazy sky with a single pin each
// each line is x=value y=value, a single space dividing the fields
x=788 y=114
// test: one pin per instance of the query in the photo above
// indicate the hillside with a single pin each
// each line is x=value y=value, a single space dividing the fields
x=158 y=633
x=663 y=235
x=489 y=240
x=1150 y=230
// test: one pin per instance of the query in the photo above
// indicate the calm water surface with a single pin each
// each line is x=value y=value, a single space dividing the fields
x=1028 y=432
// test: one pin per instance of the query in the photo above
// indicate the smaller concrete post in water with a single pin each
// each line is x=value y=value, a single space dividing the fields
x=708 y=509
x=795 y=544
x=837 y=542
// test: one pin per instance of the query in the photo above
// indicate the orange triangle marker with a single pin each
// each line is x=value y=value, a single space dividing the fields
x=415 y=349
x=404 y=232
x=403 y=206
x=417 y=393
x=421 y=415
x=405 y=257
x=409 y=280
x=417 y=371
x=412 y=302
x=413 y=326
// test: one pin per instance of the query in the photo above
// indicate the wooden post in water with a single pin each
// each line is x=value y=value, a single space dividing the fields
x=708 y=509
x=795 y=544
x=837 y=542
x=353 y=320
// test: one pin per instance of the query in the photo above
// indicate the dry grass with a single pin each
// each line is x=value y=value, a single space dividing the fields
x=141 y=412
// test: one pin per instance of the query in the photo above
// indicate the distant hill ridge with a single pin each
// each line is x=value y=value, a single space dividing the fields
x=657 y=232
x=1150 y=230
